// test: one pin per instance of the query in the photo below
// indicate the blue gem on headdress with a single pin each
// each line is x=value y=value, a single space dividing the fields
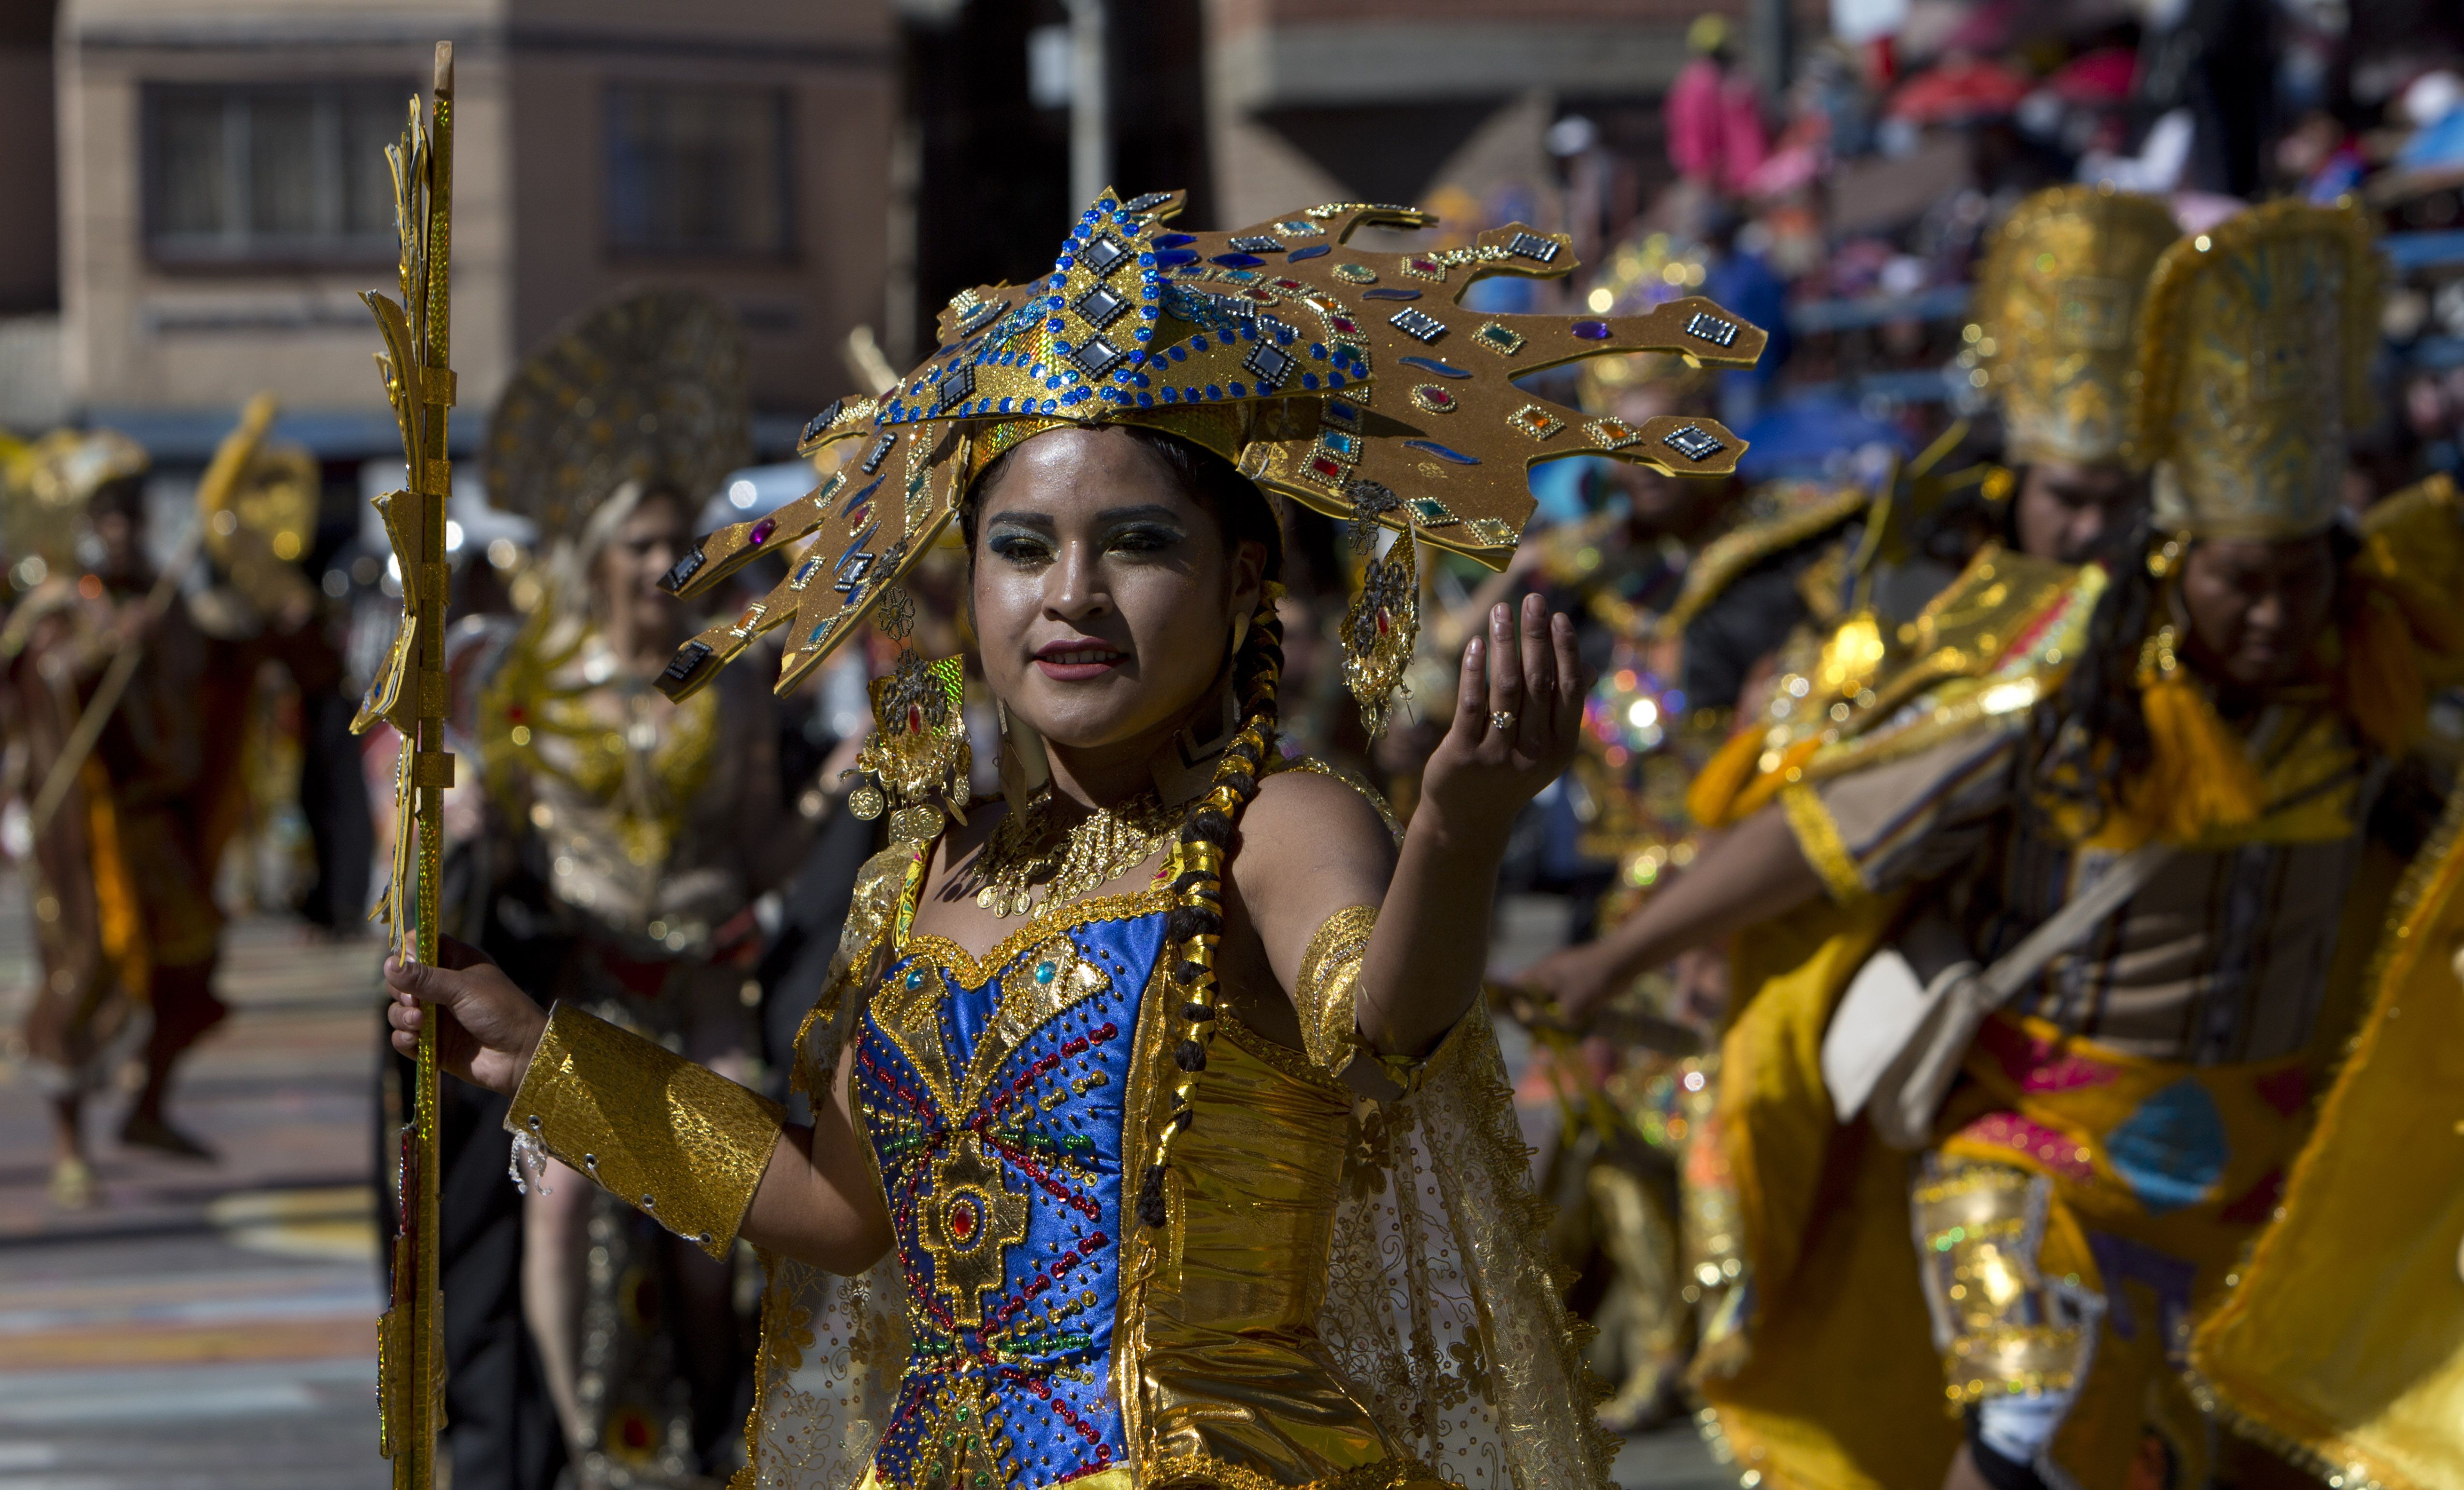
x=1419 y=325
x=1047 y=406
x=1054 y=325
x=1146 y=333
x=1308 y=379
x=1335 y=380
x=1591 y=330
x=1256 y=243
x=1180 y=353
x=1694 y=443
x=1389 y=293
x=1344 y=414
x=1104 y=253
x=1197 y=343
x=1271 y=364
x=1442 y=452
x=1146 y=401
x=1146 y=261
x=1443 y=369
x=1532 y=246
x=1176 y=258
x=1239 y=260
x=1173 y=240
x=1311 y=251
x=1344 y=444
x=1235 y=390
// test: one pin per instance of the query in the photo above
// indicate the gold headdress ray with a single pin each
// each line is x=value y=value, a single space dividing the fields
x=1346 y=380
x=2253 y=361
x=2058 y=297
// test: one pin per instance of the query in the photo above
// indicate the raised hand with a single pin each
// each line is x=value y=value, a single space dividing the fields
x=487 y=1028
x=1518 y=716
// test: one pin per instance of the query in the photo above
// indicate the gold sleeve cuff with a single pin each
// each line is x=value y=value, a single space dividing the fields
x=683 y=1143
x=1329 y=975
x=1818 y=836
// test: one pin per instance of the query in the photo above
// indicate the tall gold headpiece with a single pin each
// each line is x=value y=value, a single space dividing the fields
x=651 y=388
x=46 y=485
x=2253 y=361
x=2058 y=297
x=1348 y=380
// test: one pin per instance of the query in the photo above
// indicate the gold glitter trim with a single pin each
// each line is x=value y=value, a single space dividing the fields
x=1817 y=835
x=1323 y=995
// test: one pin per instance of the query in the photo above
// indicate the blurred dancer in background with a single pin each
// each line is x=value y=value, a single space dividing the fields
x=651 y=829
x=2123 y=820
x=130 y=821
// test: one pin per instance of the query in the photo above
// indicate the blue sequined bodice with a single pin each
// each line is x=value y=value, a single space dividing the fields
x=993 y=1095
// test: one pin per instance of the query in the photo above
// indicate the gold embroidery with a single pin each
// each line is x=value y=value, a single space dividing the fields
x=1323 y=995
x=2001 y=1327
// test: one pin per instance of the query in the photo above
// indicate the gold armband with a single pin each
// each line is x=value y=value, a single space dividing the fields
x=683 y=1143
x=2003 y=1326
x=1329 y=975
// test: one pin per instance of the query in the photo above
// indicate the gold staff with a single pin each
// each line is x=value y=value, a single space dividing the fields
x=409 y=693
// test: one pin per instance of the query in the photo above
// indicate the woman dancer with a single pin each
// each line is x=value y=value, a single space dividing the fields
x=1159 y=1135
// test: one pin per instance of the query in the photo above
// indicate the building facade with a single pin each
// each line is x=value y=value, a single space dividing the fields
x=224 y=197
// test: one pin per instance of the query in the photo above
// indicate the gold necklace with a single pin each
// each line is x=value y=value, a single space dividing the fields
x=1025 y=852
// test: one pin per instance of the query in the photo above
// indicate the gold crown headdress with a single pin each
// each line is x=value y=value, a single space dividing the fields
x=2057 y=298
x=647 y=388
x=1346 y=380
x=46 y=484
x=2253 y=361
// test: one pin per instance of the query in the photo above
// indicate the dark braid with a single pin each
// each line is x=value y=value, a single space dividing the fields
x=1194 y=924
x=2091 y=736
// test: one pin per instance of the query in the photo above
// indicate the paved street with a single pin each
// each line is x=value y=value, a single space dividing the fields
x=212 y=1327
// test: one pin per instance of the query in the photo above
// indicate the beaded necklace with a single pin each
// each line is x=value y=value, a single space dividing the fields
x=1026 y=851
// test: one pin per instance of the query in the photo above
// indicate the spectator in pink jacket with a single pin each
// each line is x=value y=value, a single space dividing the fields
x=1715 y=124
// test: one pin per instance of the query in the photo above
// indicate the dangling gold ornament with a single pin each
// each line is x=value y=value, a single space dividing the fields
x=1384 y=622
x=1025 y=852
x=917 y=759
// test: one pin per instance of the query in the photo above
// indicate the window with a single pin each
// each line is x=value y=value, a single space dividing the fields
x=696 y=172
x=287 y=172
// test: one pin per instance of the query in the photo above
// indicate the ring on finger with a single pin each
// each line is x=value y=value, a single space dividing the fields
x=1502 y=720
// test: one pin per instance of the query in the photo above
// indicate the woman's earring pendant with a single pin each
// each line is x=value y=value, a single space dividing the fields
x=1383 y=625
x=918 y=756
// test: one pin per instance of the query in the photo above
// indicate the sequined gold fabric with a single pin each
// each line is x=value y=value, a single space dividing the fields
x=1234 y=1375
x=1978 y=1230
x=682 y=1143
x=1330 y=973
x=2056 y=299
x=2254 y=362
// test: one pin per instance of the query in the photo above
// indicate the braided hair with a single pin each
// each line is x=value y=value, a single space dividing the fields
x=1194 y=927
x=2090 y=736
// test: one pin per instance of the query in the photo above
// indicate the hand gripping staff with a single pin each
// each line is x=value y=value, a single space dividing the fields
x=409 y=693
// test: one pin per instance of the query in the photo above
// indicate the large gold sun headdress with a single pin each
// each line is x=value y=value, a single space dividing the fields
x=2056 y=300
x=1349 y=380
x=2254 y=362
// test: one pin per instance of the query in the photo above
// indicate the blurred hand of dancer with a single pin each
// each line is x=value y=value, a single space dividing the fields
x=487 y=1028
x=1566 y=989
x=1518 y=716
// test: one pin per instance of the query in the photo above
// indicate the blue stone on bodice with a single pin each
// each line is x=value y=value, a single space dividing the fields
x=995 y=1111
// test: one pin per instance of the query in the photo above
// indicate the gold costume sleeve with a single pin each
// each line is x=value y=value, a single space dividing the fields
x=1329 y=975
x=683 y=1143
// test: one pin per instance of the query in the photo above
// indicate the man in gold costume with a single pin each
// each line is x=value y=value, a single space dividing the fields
x=653 y=828
x=1742 y=613
x=2114 y=830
